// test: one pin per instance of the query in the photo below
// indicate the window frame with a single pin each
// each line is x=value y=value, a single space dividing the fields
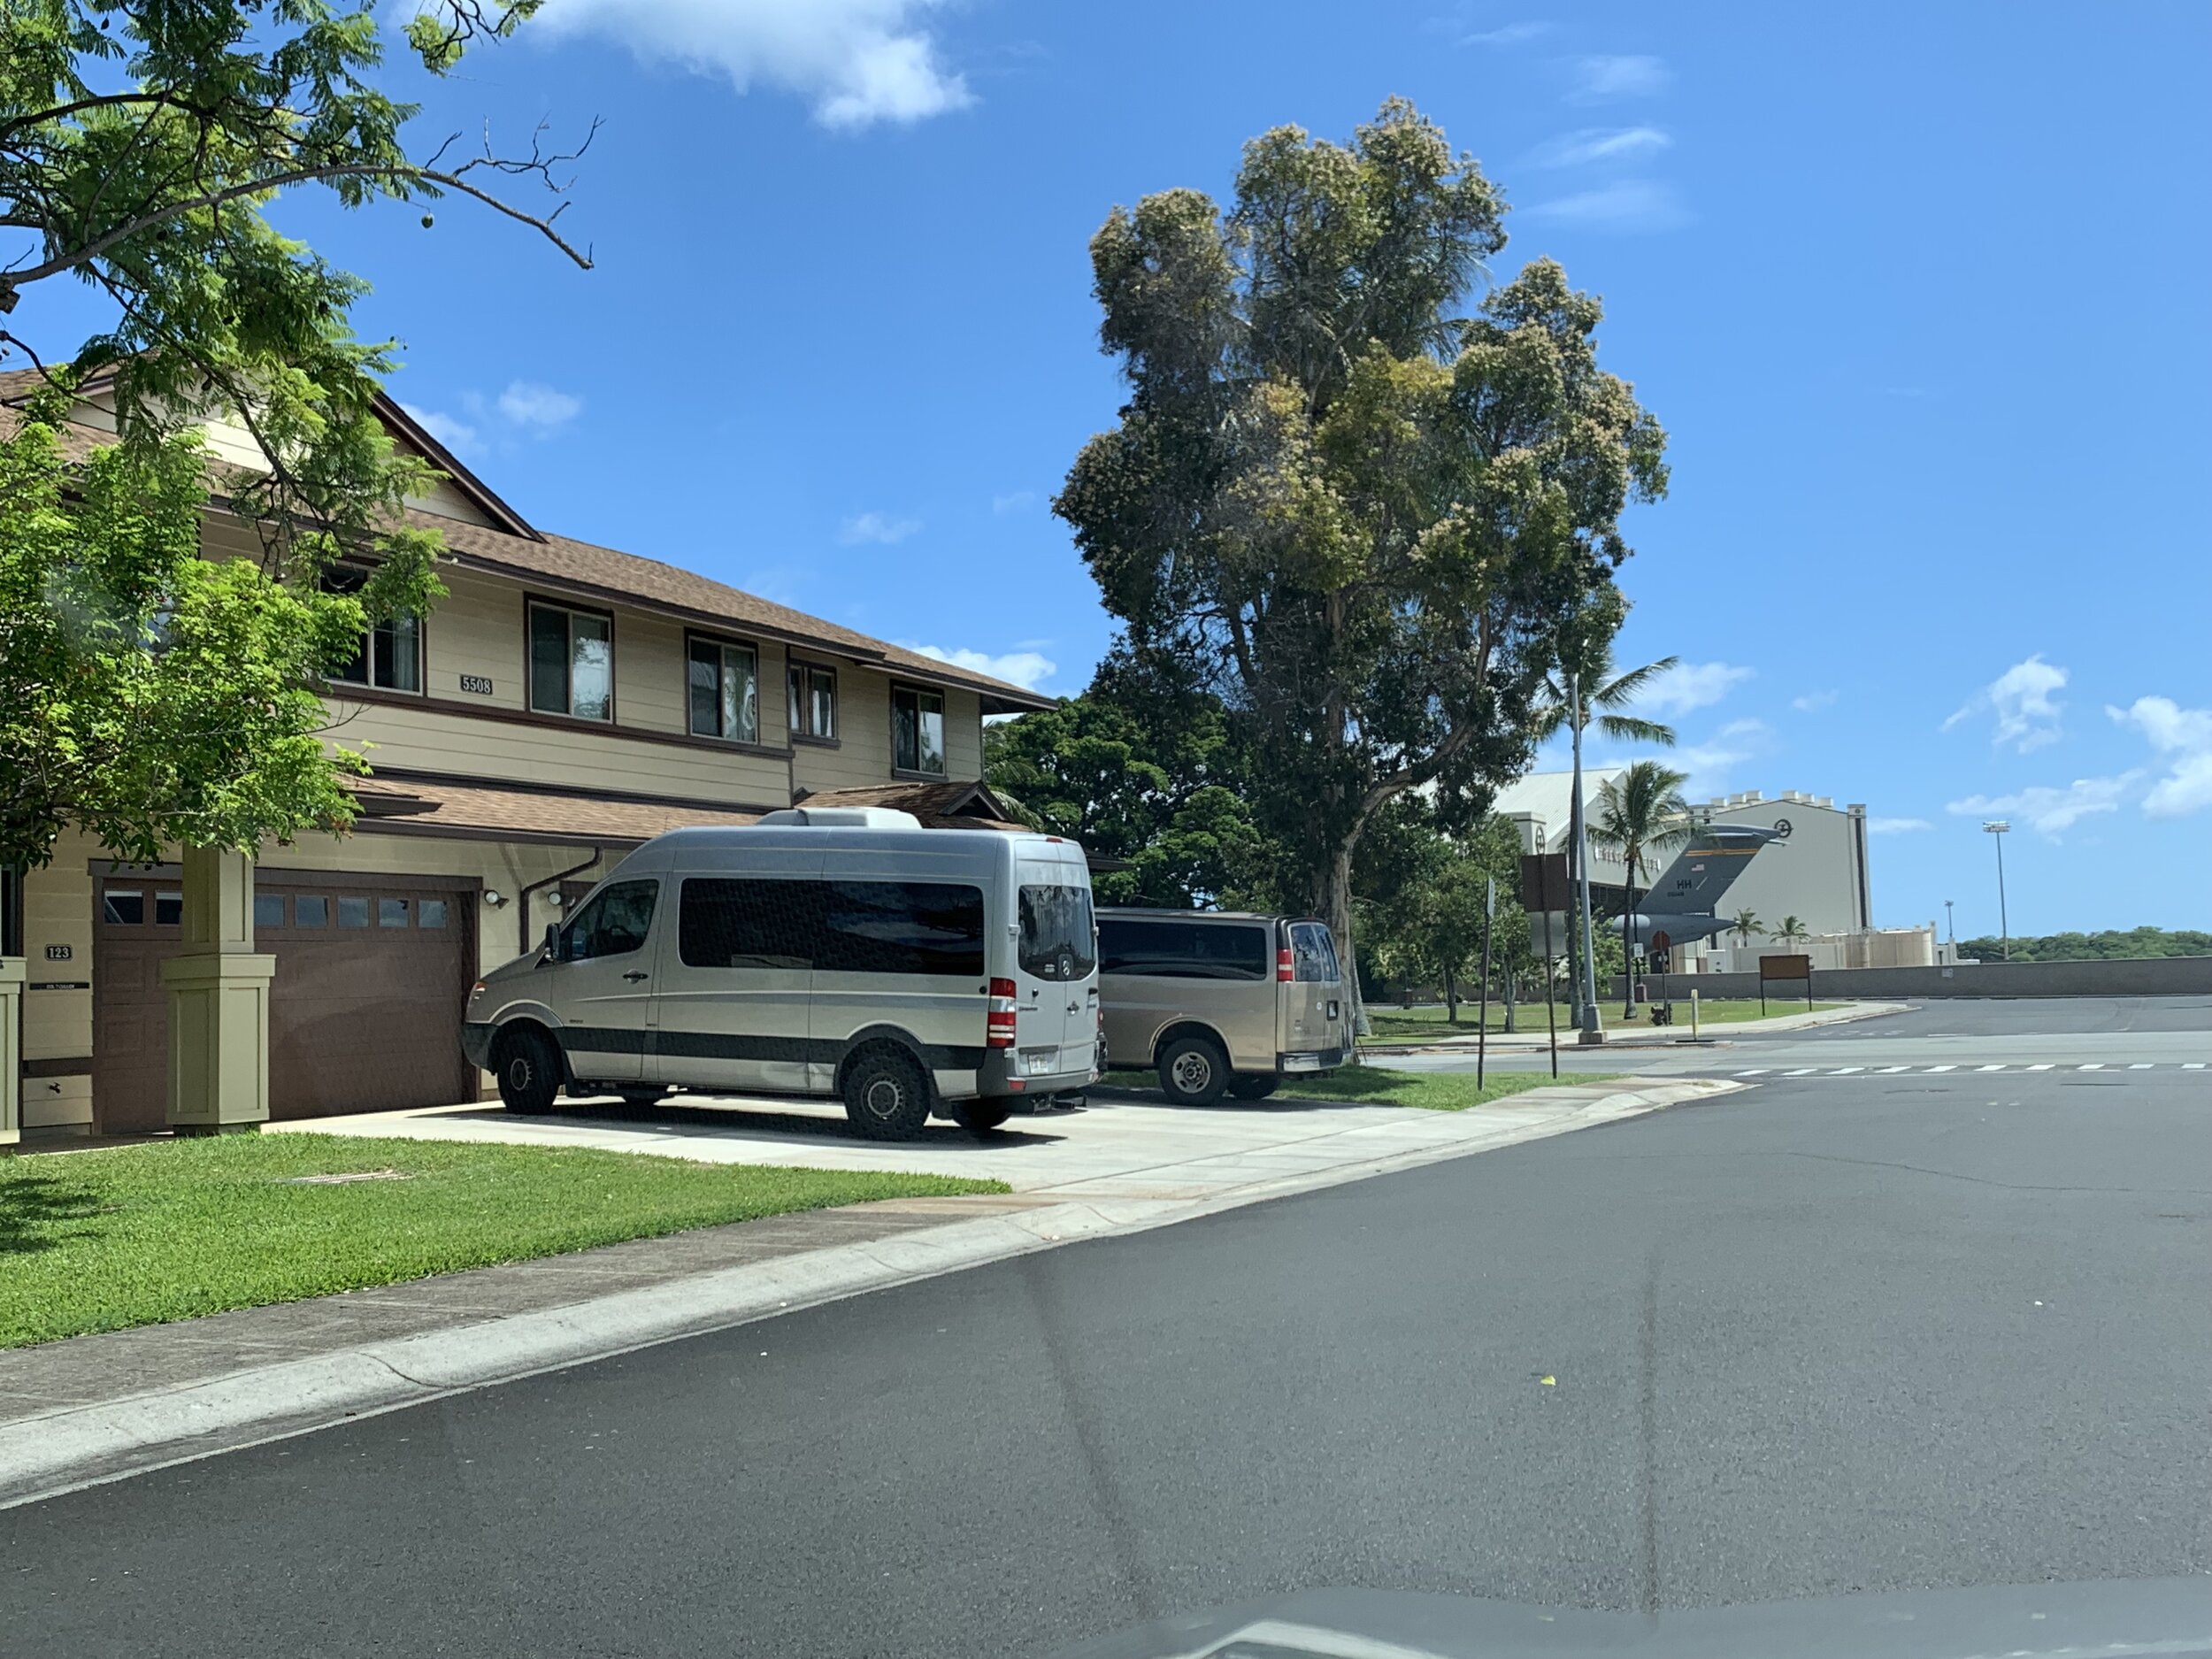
x=807 y=672
x=531 y=603
x=724 y=643
x=357 y=574
x=914 y=689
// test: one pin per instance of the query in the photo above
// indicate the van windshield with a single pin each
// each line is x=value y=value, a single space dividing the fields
x=1057 y=941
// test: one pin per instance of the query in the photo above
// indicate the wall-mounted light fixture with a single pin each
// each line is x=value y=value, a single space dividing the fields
x=494 y=897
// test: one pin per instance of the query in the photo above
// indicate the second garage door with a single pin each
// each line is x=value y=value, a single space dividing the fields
x=364 y=1012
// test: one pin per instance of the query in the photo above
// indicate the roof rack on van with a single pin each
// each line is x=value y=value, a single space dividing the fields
x=844 y=817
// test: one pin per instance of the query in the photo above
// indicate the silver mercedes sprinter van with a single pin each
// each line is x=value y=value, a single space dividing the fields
x=843 y=952
x=1221 y=1001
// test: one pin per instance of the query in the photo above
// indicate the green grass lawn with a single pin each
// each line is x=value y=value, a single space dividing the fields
x=1380 y=1085
x=132 y=1235
x=1427 y=1024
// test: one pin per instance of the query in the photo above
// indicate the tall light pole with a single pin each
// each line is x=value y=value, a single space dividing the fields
x=1997 y=827
x=1592 y=1029
x=1950 y=926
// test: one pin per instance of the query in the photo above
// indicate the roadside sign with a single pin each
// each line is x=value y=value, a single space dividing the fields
x=1544 y=885
x=1547 y=926
x=1785 y=967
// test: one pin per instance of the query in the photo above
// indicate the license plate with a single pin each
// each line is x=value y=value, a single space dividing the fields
x=1301 y=1062
x=1039 y=1064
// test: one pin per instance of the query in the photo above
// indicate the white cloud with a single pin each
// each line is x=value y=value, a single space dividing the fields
x=1601 y=144
x=1025 y=668
x=538 y=408
x=1691 y=686
x=1710 y=765
x=2185 y=737
x=1632 y=204
x=1896 y=826
x=457 y=435
x=1506 y=34
x=877 y=527
x=2047 y=808
x=858 y=61
x=1814 y=702
x=1013 y=501
x=1619 y=76
x=2027 y=715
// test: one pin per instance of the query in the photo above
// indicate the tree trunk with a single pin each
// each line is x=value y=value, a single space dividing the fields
x=1451 y=998
x=1338 y=913
x=1628 y=950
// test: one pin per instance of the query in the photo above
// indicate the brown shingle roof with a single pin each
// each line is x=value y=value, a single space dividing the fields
x=648 y=583
x=440 y=807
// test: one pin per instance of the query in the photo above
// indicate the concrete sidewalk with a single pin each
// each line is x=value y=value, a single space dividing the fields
x=1642 y=1037
x=98 y=1408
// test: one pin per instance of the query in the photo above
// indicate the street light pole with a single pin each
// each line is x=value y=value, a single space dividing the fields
x=1593 y=1029
x=1950 y=926
x=1997 y=827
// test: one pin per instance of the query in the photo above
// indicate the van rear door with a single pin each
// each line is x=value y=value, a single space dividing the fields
x=1313 y=1002
x=1056 y=1005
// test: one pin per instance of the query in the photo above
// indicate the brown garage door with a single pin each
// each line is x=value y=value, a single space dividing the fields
x=364 y=1012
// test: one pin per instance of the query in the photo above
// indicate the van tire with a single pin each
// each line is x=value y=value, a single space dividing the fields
x=1193 y=1072
x=1256 y=1085
x=887 y=1095
x=528 y=1067
x=980 y=1117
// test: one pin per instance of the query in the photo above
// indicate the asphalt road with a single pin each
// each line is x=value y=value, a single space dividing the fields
x=2160 y=1030
x=1818 y=1336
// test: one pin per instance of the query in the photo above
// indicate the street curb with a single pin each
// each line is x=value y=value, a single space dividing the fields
x=1522 y=1044
x=72 y=1447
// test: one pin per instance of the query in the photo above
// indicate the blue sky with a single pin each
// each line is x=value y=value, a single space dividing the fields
x=1919 y=290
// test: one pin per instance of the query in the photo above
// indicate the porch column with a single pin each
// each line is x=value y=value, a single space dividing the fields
x=218 y=1003
x=13 y=971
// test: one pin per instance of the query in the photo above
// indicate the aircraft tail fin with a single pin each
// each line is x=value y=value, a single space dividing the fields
x=1708 y=864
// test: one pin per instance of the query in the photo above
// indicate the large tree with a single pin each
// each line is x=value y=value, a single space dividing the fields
x=141 y=143
x=1354 y=515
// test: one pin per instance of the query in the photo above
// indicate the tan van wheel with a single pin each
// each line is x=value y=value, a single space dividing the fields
x=1193 y=1072
x=887 y=1095
x=980 y=1117
x=528 y=1068
x=1256 y=1085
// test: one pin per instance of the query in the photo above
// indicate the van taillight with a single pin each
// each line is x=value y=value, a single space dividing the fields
x=1284 y=968
x=998 y=1018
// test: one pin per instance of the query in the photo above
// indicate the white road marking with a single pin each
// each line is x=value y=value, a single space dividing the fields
x=1892 y=1068
x=2140 y=1065
x=1803 y=1071
x=2094 y=1065
x=1943 y=1068
x=1989 y=1067
x=1756 y=1070
x=2192 y=1065
x=2044 y=1067
x=1845 y=1070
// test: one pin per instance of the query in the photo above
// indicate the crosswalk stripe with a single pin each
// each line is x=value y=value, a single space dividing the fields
x=2192 y=1065
x=2044 y=1067
x=1892 y=1068
x=2140 y=1065
x=1756 y=1070
x=1802 y=1071
x=1943 y=1068
x=1989 y=1067
x=1845 y=1070
x=2094 y=1065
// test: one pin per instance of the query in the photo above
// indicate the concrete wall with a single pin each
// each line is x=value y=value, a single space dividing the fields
x=2157 y=976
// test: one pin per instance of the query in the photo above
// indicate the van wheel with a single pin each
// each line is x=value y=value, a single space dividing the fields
x=1193 y=1072
x=1256 y=1085
x=886 y=1096
x=528 y=1068
x=980 y=1117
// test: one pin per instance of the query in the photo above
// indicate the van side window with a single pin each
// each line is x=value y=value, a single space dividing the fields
x=1184 y=950
x=614 y=923
x=1312 y=952
x=1057 y=939
x=901 y=927
x=749 y=924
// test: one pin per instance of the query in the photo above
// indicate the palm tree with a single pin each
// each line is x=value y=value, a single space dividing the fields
x=1640 y=812
x=1791 y=930
x=1747 y=923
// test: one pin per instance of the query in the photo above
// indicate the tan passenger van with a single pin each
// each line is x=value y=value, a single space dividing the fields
x=1221 y=1001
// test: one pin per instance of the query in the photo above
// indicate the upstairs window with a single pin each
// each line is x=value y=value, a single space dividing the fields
x=390 y=656
x=917 y=730
x=725 y=691
x=572 y=662
x=810 y=698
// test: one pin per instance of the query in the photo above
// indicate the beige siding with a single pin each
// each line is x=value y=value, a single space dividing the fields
x=964 y=735
x=478 y=629
x=58 y=910
x=649 y=671
x=863 y=755
x=431 y=739
x=449 y=503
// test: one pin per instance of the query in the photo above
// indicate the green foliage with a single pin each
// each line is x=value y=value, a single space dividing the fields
x=1152 y=780
x=1359 y=520
x=141 y=143
x=1424 y=928
x=1789 y=930
x=1745 y=924
x=147 y=694
x=2110 y=945
x=1606 y=693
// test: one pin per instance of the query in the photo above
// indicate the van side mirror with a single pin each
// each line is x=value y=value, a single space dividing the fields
x=552 y=941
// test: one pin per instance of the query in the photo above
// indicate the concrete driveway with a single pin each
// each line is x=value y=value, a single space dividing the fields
x=1119 y=1147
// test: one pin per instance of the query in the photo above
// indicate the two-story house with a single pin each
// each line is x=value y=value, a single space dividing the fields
x=563 y=704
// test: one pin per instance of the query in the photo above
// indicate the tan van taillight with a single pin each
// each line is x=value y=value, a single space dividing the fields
x=1285 y=969
x=998 y=1019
